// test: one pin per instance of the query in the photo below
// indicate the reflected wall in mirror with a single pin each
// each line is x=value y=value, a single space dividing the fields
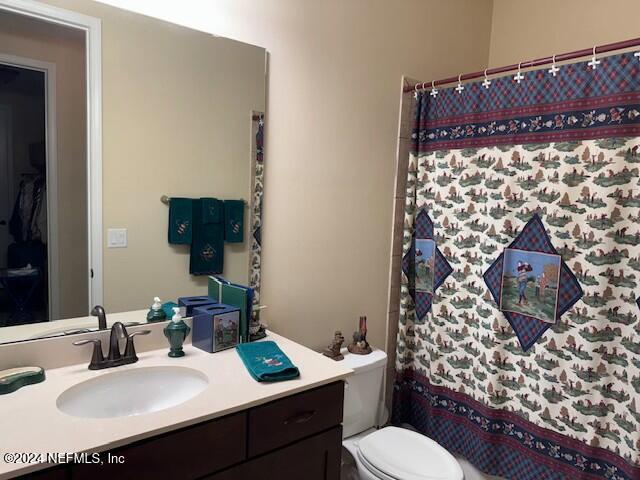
x=178 y=119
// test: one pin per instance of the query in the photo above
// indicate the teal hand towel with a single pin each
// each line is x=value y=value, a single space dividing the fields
x=234 y=221
x=167 y=307
x=207 y=247
x=180 y=221
x=212 y=210
x=266 y=362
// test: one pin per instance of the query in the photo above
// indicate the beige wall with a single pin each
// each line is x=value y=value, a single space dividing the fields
x=331 y=135
x=64 y=47
x=176 y=120
x=524 y=29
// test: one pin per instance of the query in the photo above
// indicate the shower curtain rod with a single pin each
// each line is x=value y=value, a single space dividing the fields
x=531 y=63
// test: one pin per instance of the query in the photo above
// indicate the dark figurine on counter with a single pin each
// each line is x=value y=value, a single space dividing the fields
x=333 y=350
x=256 y=329
x=360 y=346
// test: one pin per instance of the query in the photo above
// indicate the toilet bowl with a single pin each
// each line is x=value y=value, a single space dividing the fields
x=390 y=453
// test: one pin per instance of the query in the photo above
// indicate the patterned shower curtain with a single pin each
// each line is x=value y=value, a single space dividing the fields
x=255 y=262
x=519 y=339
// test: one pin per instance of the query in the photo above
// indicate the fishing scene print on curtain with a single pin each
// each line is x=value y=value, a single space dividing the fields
x=525 y=359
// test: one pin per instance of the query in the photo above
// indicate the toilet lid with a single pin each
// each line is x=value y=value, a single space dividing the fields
x=406 y=455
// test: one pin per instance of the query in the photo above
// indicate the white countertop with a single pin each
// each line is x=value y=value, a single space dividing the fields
x=30 y=422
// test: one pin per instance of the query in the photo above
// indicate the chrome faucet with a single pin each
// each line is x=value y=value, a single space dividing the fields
x=98 y=311
x=115 y=358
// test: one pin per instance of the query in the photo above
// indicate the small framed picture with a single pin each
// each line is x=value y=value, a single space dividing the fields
x=425 y=264
x=226 y=330
x=530 y=284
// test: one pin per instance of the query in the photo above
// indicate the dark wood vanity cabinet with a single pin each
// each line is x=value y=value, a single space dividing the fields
x=315 y=458
x=189 y=453
x=295 y=437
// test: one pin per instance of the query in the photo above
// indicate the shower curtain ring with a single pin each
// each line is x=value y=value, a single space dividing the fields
x=486 y=81
x=415 y=91
x=554 y=69
x=594 y=59
x=518 y=78
x=459 y=88
x=434 y=90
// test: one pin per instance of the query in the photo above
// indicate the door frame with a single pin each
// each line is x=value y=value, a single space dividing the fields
x=6 y=110
x=92 y=27
x=51 y=147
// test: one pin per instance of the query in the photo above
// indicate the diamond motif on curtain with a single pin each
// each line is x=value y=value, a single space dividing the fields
x=424 y=265
x=531 y=283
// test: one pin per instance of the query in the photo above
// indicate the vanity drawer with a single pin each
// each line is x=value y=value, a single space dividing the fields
x=292 y=418
x=186 y=454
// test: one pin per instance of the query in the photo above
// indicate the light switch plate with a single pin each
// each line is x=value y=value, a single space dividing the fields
x=117 y=238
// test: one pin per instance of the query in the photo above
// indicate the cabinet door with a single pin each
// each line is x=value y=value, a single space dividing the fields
x=316 y=458
x=186 y=454
x=53 y=473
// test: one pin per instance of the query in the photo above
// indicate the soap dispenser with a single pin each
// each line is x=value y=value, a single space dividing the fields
x=156 y=313
x=176 y=331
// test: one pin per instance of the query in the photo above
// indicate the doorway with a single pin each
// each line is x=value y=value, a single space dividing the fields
x=28 y=247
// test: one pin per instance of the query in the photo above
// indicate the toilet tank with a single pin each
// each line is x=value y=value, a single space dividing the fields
x=363 y=391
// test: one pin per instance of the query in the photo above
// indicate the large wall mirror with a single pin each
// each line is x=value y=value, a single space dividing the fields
x=107 y=117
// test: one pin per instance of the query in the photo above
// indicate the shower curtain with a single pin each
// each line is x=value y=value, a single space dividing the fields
x=519 y=338
x=255 y=263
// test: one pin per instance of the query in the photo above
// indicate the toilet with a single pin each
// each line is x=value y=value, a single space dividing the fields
x=389 y=453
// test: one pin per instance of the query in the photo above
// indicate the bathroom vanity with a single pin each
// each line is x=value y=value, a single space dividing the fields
x=234 y=428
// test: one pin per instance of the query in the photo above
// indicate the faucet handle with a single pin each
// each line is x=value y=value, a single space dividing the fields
x=139 y=332
x=97 y=357
x=130 y=349
x=79 y=343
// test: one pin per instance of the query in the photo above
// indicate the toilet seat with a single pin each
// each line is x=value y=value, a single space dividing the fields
x=393 y=453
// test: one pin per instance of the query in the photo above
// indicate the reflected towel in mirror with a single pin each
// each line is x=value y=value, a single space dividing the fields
x=207 y=247
x=180 y=221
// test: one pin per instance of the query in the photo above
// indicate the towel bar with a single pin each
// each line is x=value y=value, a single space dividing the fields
x=166 y=199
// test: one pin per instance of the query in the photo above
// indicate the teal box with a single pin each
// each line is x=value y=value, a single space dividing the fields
x=216 y=327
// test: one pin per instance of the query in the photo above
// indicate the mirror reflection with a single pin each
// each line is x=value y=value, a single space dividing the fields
x=164 y=203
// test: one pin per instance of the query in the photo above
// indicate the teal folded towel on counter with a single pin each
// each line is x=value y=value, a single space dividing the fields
x=180 y=221
x=212 y=210
x=234 y=221
x=266 y=362
x=207 y=247
x=167 y=308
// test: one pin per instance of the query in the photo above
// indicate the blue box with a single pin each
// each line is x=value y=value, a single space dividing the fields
x=216 y=327
x=191 y=303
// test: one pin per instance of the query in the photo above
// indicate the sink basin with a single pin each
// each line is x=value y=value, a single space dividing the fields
x=132 y=392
